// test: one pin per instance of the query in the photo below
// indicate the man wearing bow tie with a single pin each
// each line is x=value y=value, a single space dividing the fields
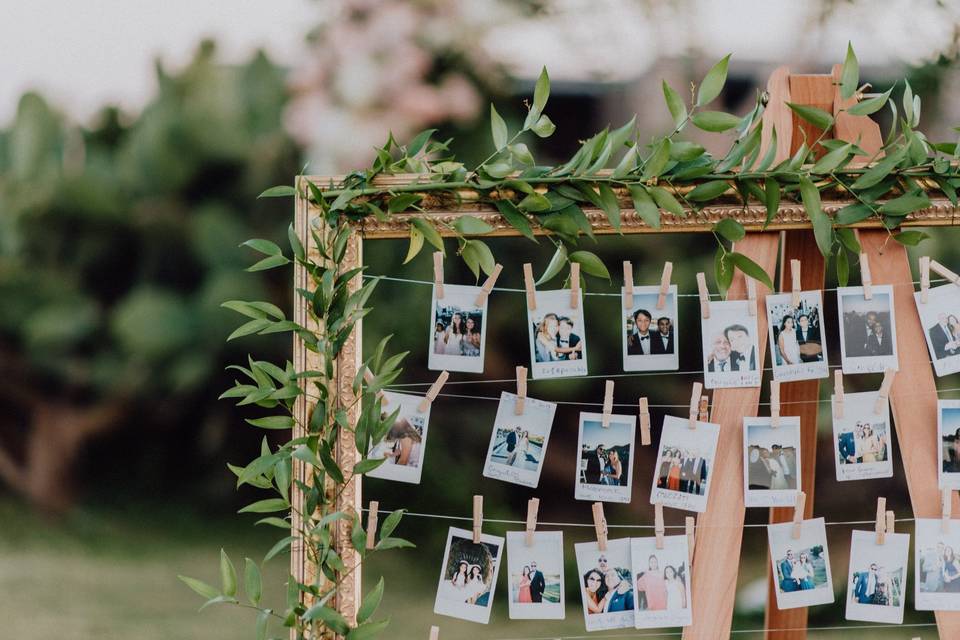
x=720 y=356
x=742 y=351
x=640 y=342
x=663 y=338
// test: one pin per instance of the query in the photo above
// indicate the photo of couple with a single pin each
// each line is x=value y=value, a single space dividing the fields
x=606 y=584
x=518 y=442
x=868 y=341
x=681 y=476
x=606 y=463
x=730 y=350
x=557 y=344
x=801 y=567
x=940 y=316
x=861 y=438
x=650 y=341
x=771 y=461
x=937 y=566
x=796 y=341
x=877 y=577
x=661 y=582
x=403 y=446
x=682 y=470
x=536 y=575
x=457 y=330
x=796 y=570
x=948 y=412
x=468 y=576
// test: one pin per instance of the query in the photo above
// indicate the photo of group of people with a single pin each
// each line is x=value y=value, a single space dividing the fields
x=458 y=331
x=771 y=462
x=558 y=345
x=877 y=577
x=948 y=421
x=730 y=347
x=684 y=463
x=606 y=584
x=940 y=316
x=405 y=442
x=801 y=566
x=661 y=582
x=535 y=575
x=519 y=441
x=650 y=339
x=606 y=458
x=796 y=336
x=862 y=438
x=937 y=566
x=468 y=576
x=868 y=340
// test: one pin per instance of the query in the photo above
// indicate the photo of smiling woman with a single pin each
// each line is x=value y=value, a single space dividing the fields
x=730 y=346
x=558 y=344
x=606 y=584
x=457 y=330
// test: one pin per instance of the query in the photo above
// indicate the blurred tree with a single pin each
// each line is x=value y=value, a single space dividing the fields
x=117 y=245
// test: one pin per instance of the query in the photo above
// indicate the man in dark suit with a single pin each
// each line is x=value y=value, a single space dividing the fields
x=787 y=582
x=701 y=475
x=742 y=350
x=686 y=475
x=595 y=462
x=865 y=585
x=663 y=339
x=640 y=341
x=855 y=331
x=942 y=340
x=537 y=583
x=808 y=335
x=720 y=356
x=512 y=439
x=879 y=342
x=848 y=447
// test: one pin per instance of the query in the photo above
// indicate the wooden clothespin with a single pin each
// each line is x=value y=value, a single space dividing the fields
x=751 y=296
x=865 y=277
x=695 y=404
x=521 y=391
x=600 y=524
x=664 y=284
x=881 y=524
x=883 y=395
x=433 y=391
x=943 y=272
x=704 y=413
x=368 y=378
x=774 y=403
x=689 y=525
x=434 y=632
x=488 y=285
x=704 y=295
x=529 y=286
x=658 y=527
x=838 y=392
x=607 y=404
x=627 y=285
x=891 y=521
x=798 y=515
x=574 y=284
x=644 y=422
x=372 y=524
x=477 y=518
x=924 y=279
x=795 y=282
x=946 y=509
x=438 y=273
x=533 y=506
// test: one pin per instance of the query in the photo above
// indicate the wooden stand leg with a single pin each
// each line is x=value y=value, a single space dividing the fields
x=797 y=245
x=913 y=398
x=714 y=588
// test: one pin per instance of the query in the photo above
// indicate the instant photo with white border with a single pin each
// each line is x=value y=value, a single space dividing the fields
x=593 y=474
x=451 y=350
x=930 y=557
x=779 y=469
x=657 y=351
x=731 y=347
x=451 y=598
x=803 y=366
x=852 y=443
x=948 y=437
x=666 y=600
x=700 y=445
x=617 y=556
x=940 y=318
x=813 y=533
x=549 y=358
x=517 y=457
x=860 y=350
x=890 y=558
x=546 y=555
x=401 y=440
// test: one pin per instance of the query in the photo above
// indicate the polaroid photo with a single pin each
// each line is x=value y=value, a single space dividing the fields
x=606 y=586
x=862 y=442
x=405 y=442
x=661 y=582
x=535 y=576
x=948 y=426
x=771 y=462
x=940 y=318
x=731 y=354
x=877 y=581
x=801 y=567
x=558 y=343
x=468 y=576
x=681 y=477
x=868 y=330
x=650 y=340
x=936 y=566
x=519 y=442
x=606 y=458
x=458 y=330
x=798 y=345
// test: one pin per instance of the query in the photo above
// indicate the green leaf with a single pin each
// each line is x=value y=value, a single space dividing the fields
x=517 y=219
x=271 y=262
x=263 y=619
x=498 y=128
x=870 y=105
x=879 y=171
x=416 y=244
x=471 y=226
x=402 y=202
x=771 y=190
x=817 y=117
x=713 y=82
x=330 y=617
x=910 y=238
x=252 y=581
x=218 y=600
x=832 y=160
x=429 y=232
x=750 y=268
x=476 y=252
x=770 y=154
x=534 y=202
x=272 y=422
x=394 y=543
x=368 y=465
x=200 y=587
x=730 y=229
x=367 y=630
x=228 y=575
x=715 y=121
x=657 y=161
x=521 y=153
x=610 y=206
x=708 y=190
x=418 y=141
x=544 y=127
x=268 y=505
x=627 y=163
x=541 y=91
x=849 y=74
x=295 y=245
x=665 y=200
x=265 y=247
x=370 y=603
x=556 y=263
x=280 y=191
x=278 y=547
x=644 y=205
x=822 y=225
x=908 y=103
x=678 y=110
x=843 y=268
x=683 y=151
x=853 y=213
x=848 y=239
x=905 y=204
x=590 y=264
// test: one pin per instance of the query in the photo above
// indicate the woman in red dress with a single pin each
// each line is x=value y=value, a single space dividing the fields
x=673 y=478
x=525 y=586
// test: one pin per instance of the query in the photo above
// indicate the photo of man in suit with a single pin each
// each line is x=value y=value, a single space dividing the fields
x=537 y=583
x=808 y=335
x=596 y=461
x=945 y=343
x=787 y=583
x=640 y=341
x=742 y=350
x=867 y=332
x=663 y=338
x=720 y=359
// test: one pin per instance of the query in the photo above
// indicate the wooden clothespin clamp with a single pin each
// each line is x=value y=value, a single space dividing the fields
x=704 y=413
x=865 y=277
x=488 y=285
x=695 y=404
x=795 y=283
x=924 y=279
x=433 y=391
x=664 y=284
x=883 y=396
x=881 y=524
x=943 y=272
x=946 y=509
x=438 y=273
x=689 y=525
x=529 y=286
x=627 y=285
x=372 y=524
x=368 y=378
x=798 y=515
x=434 y=632
x=658 y=527
x=533 y=506
x=607 y=404
x=477 y=518
x=751 y=296
x=704 y=295
x=600 y=524
x=574 y=284
x=521 y=391
x=644 y=422
x=838 y=393
x=774 y=403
